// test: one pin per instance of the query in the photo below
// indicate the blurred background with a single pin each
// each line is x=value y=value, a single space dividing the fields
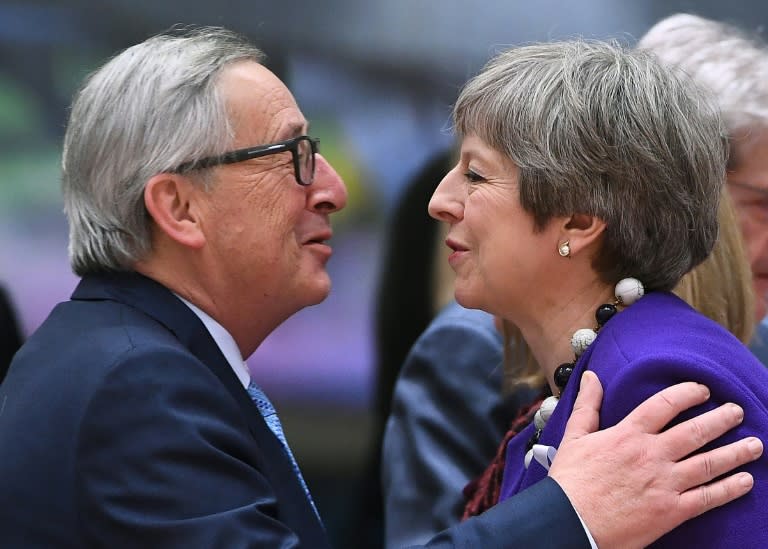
x=376 y=79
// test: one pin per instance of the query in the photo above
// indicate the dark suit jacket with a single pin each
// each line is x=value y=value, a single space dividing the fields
x=122 y=425
x=447 y=419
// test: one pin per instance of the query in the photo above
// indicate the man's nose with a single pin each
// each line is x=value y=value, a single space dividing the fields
x=327 y=192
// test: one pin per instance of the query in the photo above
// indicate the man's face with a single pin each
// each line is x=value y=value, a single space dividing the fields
x=267 y=235
x=748 y=187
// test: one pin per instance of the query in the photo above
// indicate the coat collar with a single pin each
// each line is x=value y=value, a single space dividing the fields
x=147 y=295
x=158 y=302
x=155 y=300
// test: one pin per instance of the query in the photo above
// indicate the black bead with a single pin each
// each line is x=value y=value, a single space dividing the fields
x=563 y=374
x=533 y=440
x=604 y=313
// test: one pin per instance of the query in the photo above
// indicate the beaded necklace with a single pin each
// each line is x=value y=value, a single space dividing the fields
x=626 y=292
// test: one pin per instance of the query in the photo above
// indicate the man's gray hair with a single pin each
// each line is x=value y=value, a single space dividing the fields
x=732 y=64
x=148 y=110
x=601 y=130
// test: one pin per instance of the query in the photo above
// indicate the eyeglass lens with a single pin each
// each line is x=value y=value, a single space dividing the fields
x=306 y=161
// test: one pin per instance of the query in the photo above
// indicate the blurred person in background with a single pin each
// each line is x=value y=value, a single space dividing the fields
x=10 y=333
x=199 y=214
x=583 y=166
x=733 y=65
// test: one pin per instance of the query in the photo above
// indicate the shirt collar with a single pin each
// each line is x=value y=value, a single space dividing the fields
x=224 y=341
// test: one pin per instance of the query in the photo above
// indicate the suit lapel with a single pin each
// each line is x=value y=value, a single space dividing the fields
x=156 y=301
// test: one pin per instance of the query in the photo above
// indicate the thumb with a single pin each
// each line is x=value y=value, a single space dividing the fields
x=585 y=417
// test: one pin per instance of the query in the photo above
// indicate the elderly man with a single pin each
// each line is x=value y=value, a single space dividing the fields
x=199 y=219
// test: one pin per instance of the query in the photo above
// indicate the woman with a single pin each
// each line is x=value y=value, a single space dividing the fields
x=720 y=288
x=581 y=165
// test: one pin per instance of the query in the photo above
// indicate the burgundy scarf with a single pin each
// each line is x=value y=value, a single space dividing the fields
x=483 y=492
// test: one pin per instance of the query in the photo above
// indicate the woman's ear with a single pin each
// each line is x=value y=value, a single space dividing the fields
x=582 y=231
x=170 y=201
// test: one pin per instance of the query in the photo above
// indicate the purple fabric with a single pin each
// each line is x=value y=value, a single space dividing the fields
x=653 y=344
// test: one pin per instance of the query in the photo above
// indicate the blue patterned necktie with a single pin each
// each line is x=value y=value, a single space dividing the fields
x=269 y=414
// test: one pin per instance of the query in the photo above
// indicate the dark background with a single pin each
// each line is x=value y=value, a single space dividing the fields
x=376 y=79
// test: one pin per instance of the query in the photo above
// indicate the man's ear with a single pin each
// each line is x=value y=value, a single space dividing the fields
x=582 y=231
x=170 y=201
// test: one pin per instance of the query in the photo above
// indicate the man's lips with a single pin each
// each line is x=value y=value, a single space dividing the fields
x=318 y=238
x=455 y=246
x=318 y=244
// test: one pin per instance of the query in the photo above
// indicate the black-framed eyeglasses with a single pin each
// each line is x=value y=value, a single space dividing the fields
x=303 y=150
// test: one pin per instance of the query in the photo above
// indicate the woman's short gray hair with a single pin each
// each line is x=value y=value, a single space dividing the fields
x=598 y=129
x=729 y=62
x=148 y=110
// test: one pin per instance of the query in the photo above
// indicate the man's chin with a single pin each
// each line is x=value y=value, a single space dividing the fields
x=317 y=291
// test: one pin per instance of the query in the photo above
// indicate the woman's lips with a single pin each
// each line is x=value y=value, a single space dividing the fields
x=459 y=251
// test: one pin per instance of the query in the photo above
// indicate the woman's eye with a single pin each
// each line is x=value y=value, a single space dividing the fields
x=473 y=177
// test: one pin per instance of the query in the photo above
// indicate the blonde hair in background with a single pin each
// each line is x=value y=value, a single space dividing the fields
x=719 y=288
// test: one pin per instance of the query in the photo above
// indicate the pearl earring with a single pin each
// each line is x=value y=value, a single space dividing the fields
x=565 y=249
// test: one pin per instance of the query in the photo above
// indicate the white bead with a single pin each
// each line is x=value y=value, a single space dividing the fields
x=539 y=421
x=546 y=409
x=528 y=458
x=582 y=339
x=629 y=290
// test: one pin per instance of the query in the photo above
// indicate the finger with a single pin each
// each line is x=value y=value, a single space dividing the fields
x=702 y=468
x=585 y=417
x=704 y=498
x=658 y=410
x=692 y=434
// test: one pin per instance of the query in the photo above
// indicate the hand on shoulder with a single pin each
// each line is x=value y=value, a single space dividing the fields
x=640 y=477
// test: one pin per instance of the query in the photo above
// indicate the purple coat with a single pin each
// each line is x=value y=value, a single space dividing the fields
x=655 y=343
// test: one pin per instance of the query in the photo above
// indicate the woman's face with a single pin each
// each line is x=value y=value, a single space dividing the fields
x=501 y=263
x=748 y=187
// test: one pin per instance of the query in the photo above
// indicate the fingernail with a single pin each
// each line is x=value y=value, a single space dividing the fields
x=705 y=390
x=746 y=480
x=583 y=382
x=738 y=412
x=755 y=446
